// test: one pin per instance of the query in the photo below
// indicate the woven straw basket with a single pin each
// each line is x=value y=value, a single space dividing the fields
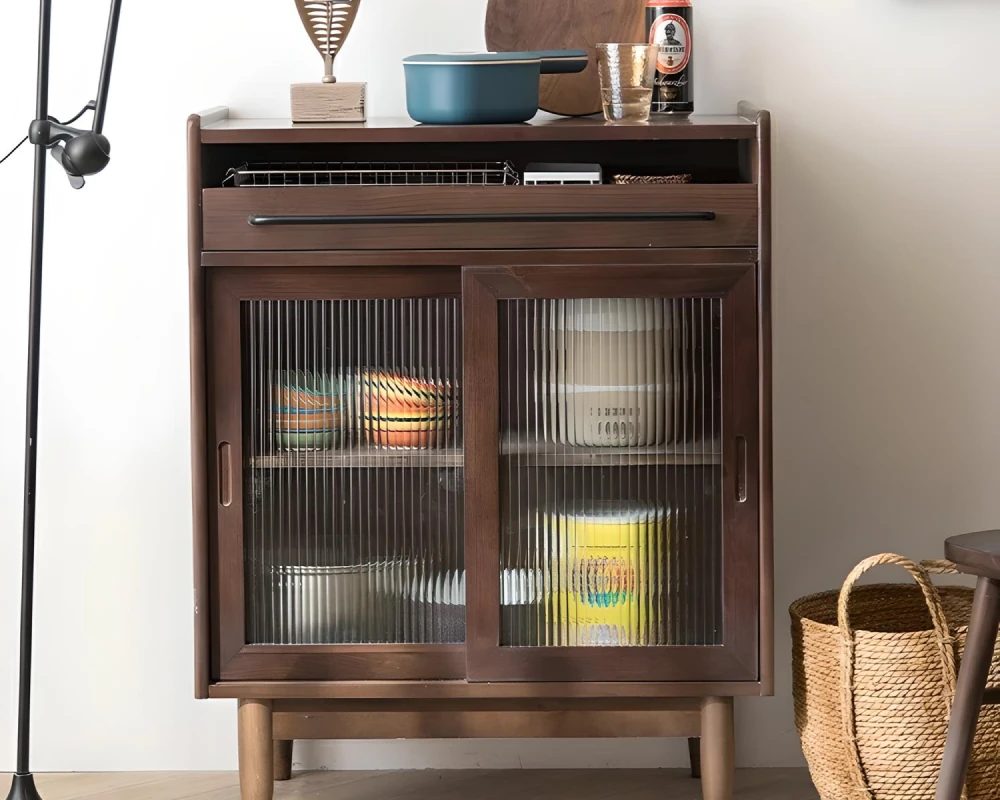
x=873 y=676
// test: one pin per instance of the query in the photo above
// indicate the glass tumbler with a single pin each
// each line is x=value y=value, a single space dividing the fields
x=627 y=72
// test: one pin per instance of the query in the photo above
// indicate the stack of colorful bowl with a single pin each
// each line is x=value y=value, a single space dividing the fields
x=306 y=410
x=402 y=412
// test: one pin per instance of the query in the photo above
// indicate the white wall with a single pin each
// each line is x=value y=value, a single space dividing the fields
x=885 y=289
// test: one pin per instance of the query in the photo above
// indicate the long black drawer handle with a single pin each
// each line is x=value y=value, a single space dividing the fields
x=263 y=220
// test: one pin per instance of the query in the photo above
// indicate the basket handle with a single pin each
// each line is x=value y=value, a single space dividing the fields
x=940 y=566
x=847 y=651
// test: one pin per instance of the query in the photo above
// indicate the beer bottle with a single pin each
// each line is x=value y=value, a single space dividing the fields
x=669 y=23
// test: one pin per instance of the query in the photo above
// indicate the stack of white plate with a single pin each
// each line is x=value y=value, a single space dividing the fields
x=392 y=600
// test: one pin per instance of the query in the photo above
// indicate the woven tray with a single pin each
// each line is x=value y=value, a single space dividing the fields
x=625 y=179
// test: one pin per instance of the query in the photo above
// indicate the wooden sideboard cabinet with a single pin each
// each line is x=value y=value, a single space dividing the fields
x=475 y=458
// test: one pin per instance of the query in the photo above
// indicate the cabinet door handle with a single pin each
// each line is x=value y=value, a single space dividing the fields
x=225 y=474
x=741 y=469
x=264 y=220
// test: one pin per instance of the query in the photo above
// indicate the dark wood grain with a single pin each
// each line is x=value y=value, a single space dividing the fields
x=441 y=690
x=627 y=664
x=541 y=129
x=337 y=284
x=688 y=256
x=199 y=436
x=975 y=553
x=482 y=478
x=582 y=280
x=707 y=664
x=515 y=25
x=362 y=706
x=347 y=663
x=460 y=724
x=225 y=425
x=741 y=418
x=756 y=169
x=762 y=146
x=227 y=211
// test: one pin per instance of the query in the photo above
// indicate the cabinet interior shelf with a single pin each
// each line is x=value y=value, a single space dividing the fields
x=527 y=453
x=547 y=454
x=360 y=457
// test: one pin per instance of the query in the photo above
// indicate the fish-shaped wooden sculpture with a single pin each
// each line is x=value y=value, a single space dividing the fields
x=328 y=22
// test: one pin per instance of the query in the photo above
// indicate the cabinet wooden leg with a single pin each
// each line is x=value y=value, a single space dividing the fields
x=256 y=750
x=283 y=759
x=718 y=748
x=694 y=752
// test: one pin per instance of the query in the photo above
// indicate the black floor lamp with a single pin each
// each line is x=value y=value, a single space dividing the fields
x=80 y=153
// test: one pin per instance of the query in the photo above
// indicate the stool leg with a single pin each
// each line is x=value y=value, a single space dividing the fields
x=971 y=685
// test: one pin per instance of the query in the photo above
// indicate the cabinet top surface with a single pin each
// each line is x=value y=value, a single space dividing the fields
x=403 y=130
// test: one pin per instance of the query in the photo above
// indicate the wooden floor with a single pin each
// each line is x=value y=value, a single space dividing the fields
x=760 y=784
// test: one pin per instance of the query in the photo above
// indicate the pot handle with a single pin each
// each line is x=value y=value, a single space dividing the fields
x=558 y=62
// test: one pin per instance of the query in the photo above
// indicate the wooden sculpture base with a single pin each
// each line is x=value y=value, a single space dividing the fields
x=328 y=102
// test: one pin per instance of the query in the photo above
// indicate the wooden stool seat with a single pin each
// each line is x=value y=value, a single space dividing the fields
x=976 y=553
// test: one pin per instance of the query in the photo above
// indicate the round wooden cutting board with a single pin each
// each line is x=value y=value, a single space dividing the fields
x=565 y=24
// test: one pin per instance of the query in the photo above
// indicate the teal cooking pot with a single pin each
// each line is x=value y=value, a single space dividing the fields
x=478 y=88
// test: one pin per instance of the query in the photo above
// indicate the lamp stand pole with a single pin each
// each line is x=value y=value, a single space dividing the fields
x=80 y=153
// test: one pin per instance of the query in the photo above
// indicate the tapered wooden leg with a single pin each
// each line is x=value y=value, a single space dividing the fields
x=971 y=685
x=256 y=750
x=718 y=748
x=694 y=752
x=283 y=759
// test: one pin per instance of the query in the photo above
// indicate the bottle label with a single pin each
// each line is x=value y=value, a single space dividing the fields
x=673 y=35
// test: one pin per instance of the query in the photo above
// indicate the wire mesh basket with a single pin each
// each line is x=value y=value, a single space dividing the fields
x=486 y=173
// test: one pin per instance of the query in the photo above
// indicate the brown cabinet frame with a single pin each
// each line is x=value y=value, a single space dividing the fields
x=737 y=658
x=377 y=690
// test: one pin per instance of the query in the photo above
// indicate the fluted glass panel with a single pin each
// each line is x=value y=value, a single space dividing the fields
x=353 y=468
x=611 y=423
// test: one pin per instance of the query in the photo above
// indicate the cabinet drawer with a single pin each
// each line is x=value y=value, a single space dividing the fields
x=469 y=217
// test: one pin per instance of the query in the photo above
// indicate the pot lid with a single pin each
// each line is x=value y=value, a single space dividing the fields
x=522 y=57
